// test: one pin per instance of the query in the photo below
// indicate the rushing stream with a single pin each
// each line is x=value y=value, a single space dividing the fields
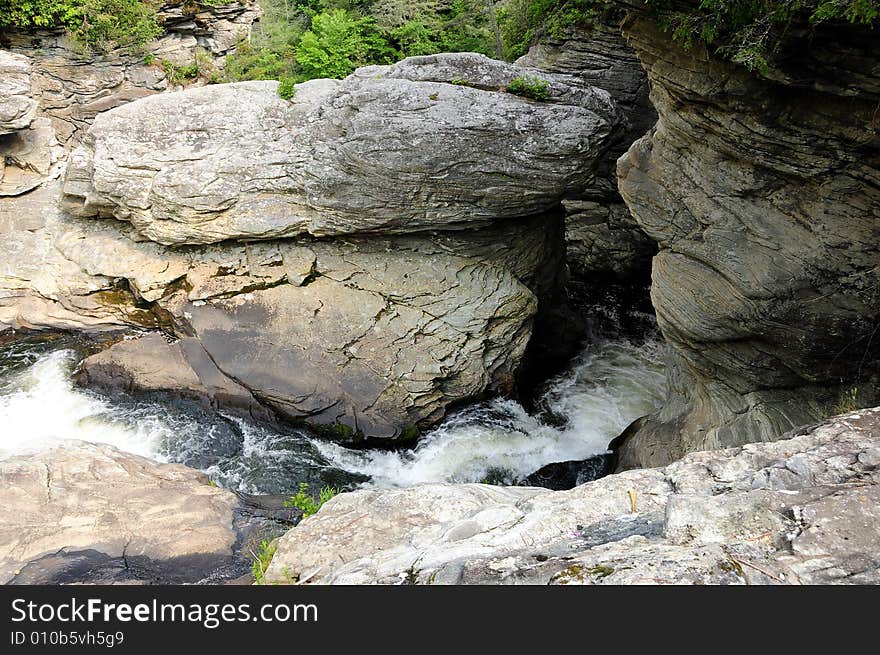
x=609 y=385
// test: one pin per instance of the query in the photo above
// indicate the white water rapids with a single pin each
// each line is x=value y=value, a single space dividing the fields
x=607 y=387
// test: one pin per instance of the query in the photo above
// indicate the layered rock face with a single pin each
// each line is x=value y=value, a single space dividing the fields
x=439 y=197
x=764 y=197
x=601 y=234
x=50 y=91
x=71 y=87
x=17 y=108
x=799 y=511
x=376 y=334
x=27 y=142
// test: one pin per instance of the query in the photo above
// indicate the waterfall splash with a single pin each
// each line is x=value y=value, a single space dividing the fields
x=609 y=385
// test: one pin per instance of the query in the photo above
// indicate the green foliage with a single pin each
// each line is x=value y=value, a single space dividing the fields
x=271 y=52
x=847 y=402
x=752 y=32
x=26 y=14
x=286 y=88
x=529 y=87
x=749 y=32
x=97 y=24
x=305 y=39
x=202 y=66
x=307 y=503
x=108 y=24
x=179 y=74
x=524 y=22
x=338 y=42
x=262 y=559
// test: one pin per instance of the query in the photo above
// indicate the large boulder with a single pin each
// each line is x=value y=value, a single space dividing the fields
x=152 y=363
x=763 y=194
x=428 y=143
x=427 y=295
x=375 y=334
x=85 y=512
x=369 y=337
x=798 y=511
x=599 y=56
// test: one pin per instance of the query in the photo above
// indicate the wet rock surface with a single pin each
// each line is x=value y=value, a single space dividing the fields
x=150 y=363
x=560 y=476
x=802 y=510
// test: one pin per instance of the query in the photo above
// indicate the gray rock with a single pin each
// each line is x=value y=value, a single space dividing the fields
x=28 y=149
x=718 y=517
x=377 y=334
x=393 y=149
x=71 y=87
x=602 y=236
x=601 y=57
x=764 y=197
x=151 y=363
x=31 y=156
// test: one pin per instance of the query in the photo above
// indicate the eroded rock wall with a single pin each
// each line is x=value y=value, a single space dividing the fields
x=71 y=86
x=763 y=194
x=51 y=88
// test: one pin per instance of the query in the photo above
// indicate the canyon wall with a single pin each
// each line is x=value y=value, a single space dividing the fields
x=763 y=194
x=601 y=235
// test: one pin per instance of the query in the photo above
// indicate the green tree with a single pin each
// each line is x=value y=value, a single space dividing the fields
x=338 y=42
x=271 y=52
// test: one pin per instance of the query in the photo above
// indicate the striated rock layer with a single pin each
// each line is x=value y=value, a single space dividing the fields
x=378 y=334
x=803 y=510
x=71 y=87
x=764 y=197
x=51 y=89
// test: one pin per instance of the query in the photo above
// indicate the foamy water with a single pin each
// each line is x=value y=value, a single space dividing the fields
x=40 y=407
x=607 y=388
x=610 y=385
